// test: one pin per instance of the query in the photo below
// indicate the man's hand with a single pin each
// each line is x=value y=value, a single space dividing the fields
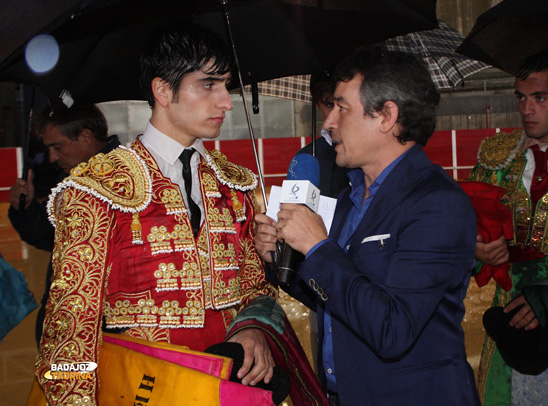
x=492 y=253
x=300 y=227
x=255 y=349
x=265 y=237
x=525 y=317
x=22 y=187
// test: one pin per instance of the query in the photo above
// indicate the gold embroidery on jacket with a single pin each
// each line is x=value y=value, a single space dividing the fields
x=153 y=334
x=229 y=174
x=167 y=275
x=497 y=152
x=219 y=270
x=173 y=201
x=220 y=222
x=210 y=186
x=202 y=274
x=118 y=176
x=74 y=307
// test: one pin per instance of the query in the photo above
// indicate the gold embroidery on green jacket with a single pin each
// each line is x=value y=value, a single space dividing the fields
x=529 y=229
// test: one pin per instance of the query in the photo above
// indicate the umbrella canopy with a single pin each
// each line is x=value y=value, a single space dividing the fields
x=17 y=27
x=505 y=35
x=437 y=48
x=99 y=48
x=288 y=87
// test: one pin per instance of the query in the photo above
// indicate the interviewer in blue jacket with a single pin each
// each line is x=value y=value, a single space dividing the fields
x=389 y=282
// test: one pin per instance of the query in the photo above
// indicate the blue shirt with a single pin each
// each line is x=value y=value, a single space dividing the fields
x=353 y=220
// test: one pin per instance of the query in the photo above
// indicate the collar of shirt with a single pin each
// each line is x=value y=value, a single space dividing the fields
x=166 y=150
x=327 y=135
x=357 y=183
x=529 y=170
x=529 y=142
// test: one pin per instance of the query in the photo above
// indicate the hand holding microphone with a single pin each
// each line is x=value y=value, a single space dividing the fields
x=300 y=227
x=298 y=224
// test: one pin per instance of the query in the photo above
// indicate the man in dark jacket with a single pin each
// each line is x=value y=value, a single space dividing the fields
x=388 y=283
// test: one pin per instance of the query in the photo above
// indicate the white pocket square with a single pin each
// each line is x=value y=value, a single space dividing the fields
x=379 y=237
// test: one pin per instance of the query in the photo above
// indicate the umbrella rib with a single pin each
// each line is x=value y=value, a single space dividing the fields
x=458 y=72
x=428 y=54
x=65 y=95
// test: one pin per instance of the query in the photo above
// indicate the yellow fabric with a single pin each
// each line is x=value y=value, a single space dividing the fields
x=226 y=362
x=36 y=396
x=130 y=377
x=124 y=379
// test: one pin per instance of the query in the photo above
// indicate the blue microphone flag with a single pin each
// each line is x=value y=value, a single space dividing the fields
x=304 y=167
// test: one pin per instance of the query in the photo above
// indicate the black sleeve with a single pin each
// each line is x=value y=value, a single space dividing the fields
x=33 y=225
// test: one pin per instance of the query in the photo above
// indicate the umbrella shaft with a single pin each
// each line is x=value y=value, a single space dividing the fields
x=246 y=109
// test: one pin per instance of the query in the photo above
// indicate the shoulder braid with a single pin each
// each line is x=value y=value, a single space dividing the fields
x=229 y=174
x=498 y=151
x=119 y=178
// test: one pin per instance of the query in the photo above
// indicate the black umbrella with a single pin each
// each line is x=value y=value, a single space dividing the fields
x=508 y=33
x=18 y=25
x=100 y=46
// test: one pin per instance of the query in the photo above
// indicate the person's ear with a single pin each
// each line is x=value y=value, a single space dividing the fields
x=86 y=137
x=161 y=91
x=389 y=113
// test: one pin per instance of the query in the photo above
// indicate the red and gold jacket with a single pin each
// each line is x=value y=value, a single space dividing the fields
x=125 y=257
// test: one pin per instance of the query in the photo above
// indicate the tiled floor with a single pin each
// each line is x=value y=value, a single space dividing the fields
x=18 y=349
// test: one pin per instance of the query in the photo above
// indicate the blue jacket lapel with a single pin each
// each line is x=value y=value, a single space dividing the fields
x=341 y=211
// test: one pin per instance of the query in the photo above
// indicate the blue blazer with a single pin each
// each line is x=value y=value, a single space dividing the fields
x=396 y=297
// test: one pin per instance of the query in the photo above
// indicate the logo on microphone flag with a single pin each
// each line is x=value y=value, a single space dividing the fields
x=301 y=192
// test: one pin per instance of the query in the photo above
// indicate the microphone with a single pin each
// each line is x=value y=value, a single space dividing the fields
x=303 y=176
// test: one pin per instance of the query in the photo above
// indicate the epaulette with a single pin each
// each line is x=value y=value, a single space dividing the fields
x=229 y=174
x=119 y=178
x=498 y=151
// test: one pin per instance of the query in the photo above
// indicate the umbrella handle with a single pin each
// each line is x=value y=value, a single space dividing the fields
x=313 y=126
x=25 y=173
x=22 y=203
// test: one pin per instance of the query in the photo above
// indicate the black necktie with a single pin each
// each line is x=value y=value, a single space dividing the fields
x=194 y=214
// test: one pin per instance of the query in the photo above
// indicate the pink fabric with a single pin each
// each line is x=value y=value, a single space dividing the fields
x=231 y=394
x=202 y=363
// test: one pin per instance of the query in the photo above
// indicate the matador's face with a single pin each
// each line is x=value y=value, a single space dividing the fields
x=532 y=98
